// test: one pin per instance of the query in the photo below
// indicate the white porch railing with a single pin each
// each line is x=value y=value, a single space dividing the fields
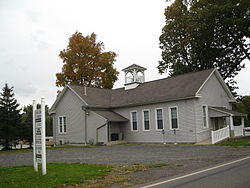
x=239 y=130
x=220 y=134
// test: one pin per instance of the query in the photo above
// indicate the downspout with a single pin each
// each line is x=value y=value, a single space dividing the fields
x=85 y=124
x=195 y=123
x=108 y=132
x=85 y=127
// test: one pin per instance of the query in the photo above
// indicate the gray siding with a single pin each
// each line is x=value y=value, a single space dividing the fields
x=70 y=106
x=186 y=118
x=102 y=134
x=95 y=121
x=212 y=94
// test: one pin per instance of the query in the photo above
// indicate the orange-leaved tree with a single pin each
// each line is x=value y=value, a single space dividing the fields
x=86 y=63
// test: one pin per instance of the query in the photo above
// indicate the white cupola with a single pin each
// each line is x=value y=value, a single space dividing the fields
x=134 y=75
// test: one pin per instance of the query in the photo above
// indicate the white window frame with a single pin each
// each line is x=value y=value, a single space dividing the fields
x=156 y=122
x=63 y=123
x=170 y=118
x=131 y=121
x=143 y=122
x=206 y=109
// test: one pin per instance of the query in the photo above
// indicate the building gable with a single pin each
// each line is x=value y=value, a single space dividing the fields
x=216 y=84
x=61 y=95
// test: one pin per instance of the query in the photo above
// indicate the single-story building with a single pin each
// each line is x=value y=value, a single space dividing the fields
x=187 y=108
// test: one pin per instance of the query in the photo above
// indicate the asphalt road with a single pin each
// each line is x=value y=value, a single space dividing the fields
x=235 y=175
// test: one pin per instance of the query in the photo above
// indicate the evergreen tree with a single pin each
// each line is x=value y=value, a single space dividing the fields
x=27 y=123
x=243 y=105
x=9 y=117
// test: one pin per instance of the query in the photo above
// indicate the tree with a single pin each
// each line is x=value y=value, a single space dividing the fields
x=243 y=105
x=204 y=34
x=27 y=123
x=9 y=117
x=85 y=63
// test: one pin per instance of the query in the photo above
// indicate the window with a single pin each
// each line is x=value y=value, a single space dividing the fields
x=62 y=124
x=145 y=115
x=134 y=126
x=174 y=118
x=159 y=119
x=204 y=116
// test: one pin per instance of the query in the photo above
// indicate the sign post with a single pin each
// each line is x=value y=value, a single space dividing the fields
x=39 y=145
x=163 y=135
x=175 y=136
x=34 y=137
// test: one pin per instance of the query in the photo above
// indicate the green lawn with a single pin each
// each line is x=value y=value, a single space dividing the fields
x=245 y=142
x=57 y=174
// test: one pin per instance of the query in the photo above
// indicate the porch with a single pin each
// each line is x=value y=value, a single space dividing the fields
x=221 y=122
x=112 y=130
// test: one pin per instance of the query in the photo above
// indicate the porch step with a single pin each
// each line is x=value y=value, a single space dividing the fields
x=111 y=143
x=205 y=142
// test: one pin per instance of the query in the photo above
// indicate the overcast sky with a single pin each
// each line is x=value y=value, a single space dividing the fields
x=34 y=32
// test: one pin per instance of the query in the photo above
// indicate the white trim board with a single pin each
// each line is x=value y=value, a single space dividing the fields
x=156 y=125
x=143 y=125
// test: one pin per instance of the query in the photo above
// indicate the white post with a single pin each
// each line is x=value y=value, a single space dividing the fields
x=43 y=136
x=231 y=125
x=242 y=122
x=34 y=137
x=231 y=122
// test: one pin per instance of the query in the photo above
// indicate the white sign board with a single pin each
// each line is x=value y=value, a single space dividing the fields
x=39 y=146
x=38 y=133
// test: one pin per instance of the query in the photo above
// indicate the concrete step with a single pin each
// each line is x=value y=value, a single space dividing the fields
x=205 y=142
x=117 y=142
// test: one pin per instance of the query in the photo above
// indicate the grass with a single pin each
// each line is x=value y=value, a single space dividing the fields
x=59 y=174
x=245 y=142
x=119 y=176
x=62 y=174
x=48 y=148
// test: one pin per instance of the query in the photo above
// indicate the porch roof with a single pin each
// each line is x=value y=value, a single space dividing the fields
x=111 y=116
x=223 y=112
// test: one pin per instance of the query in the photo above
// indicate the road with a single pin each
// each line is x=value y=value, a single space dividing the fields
x=235 y=174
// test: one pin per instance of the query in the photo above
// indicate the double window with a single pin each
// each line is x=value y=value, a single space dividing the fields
x=134 y=123
x=62 y=124
x=204 y=116
x=174 y=117
x=159 y=118
x=145 y=115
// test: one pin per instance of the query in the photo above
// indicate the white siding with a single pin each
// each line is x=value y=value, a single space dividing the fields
x=212 y=94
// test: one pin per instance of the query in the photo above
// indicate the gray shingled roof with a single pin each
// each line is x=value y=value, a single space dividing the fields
x=111 y=116
x=227 y=111
x=167 y=89
x=134 y=66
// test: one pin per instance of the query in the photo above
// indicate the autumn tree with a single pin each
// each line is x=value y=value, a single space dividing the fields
x=205 y=34
x=9 y=118
x=86 y=63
